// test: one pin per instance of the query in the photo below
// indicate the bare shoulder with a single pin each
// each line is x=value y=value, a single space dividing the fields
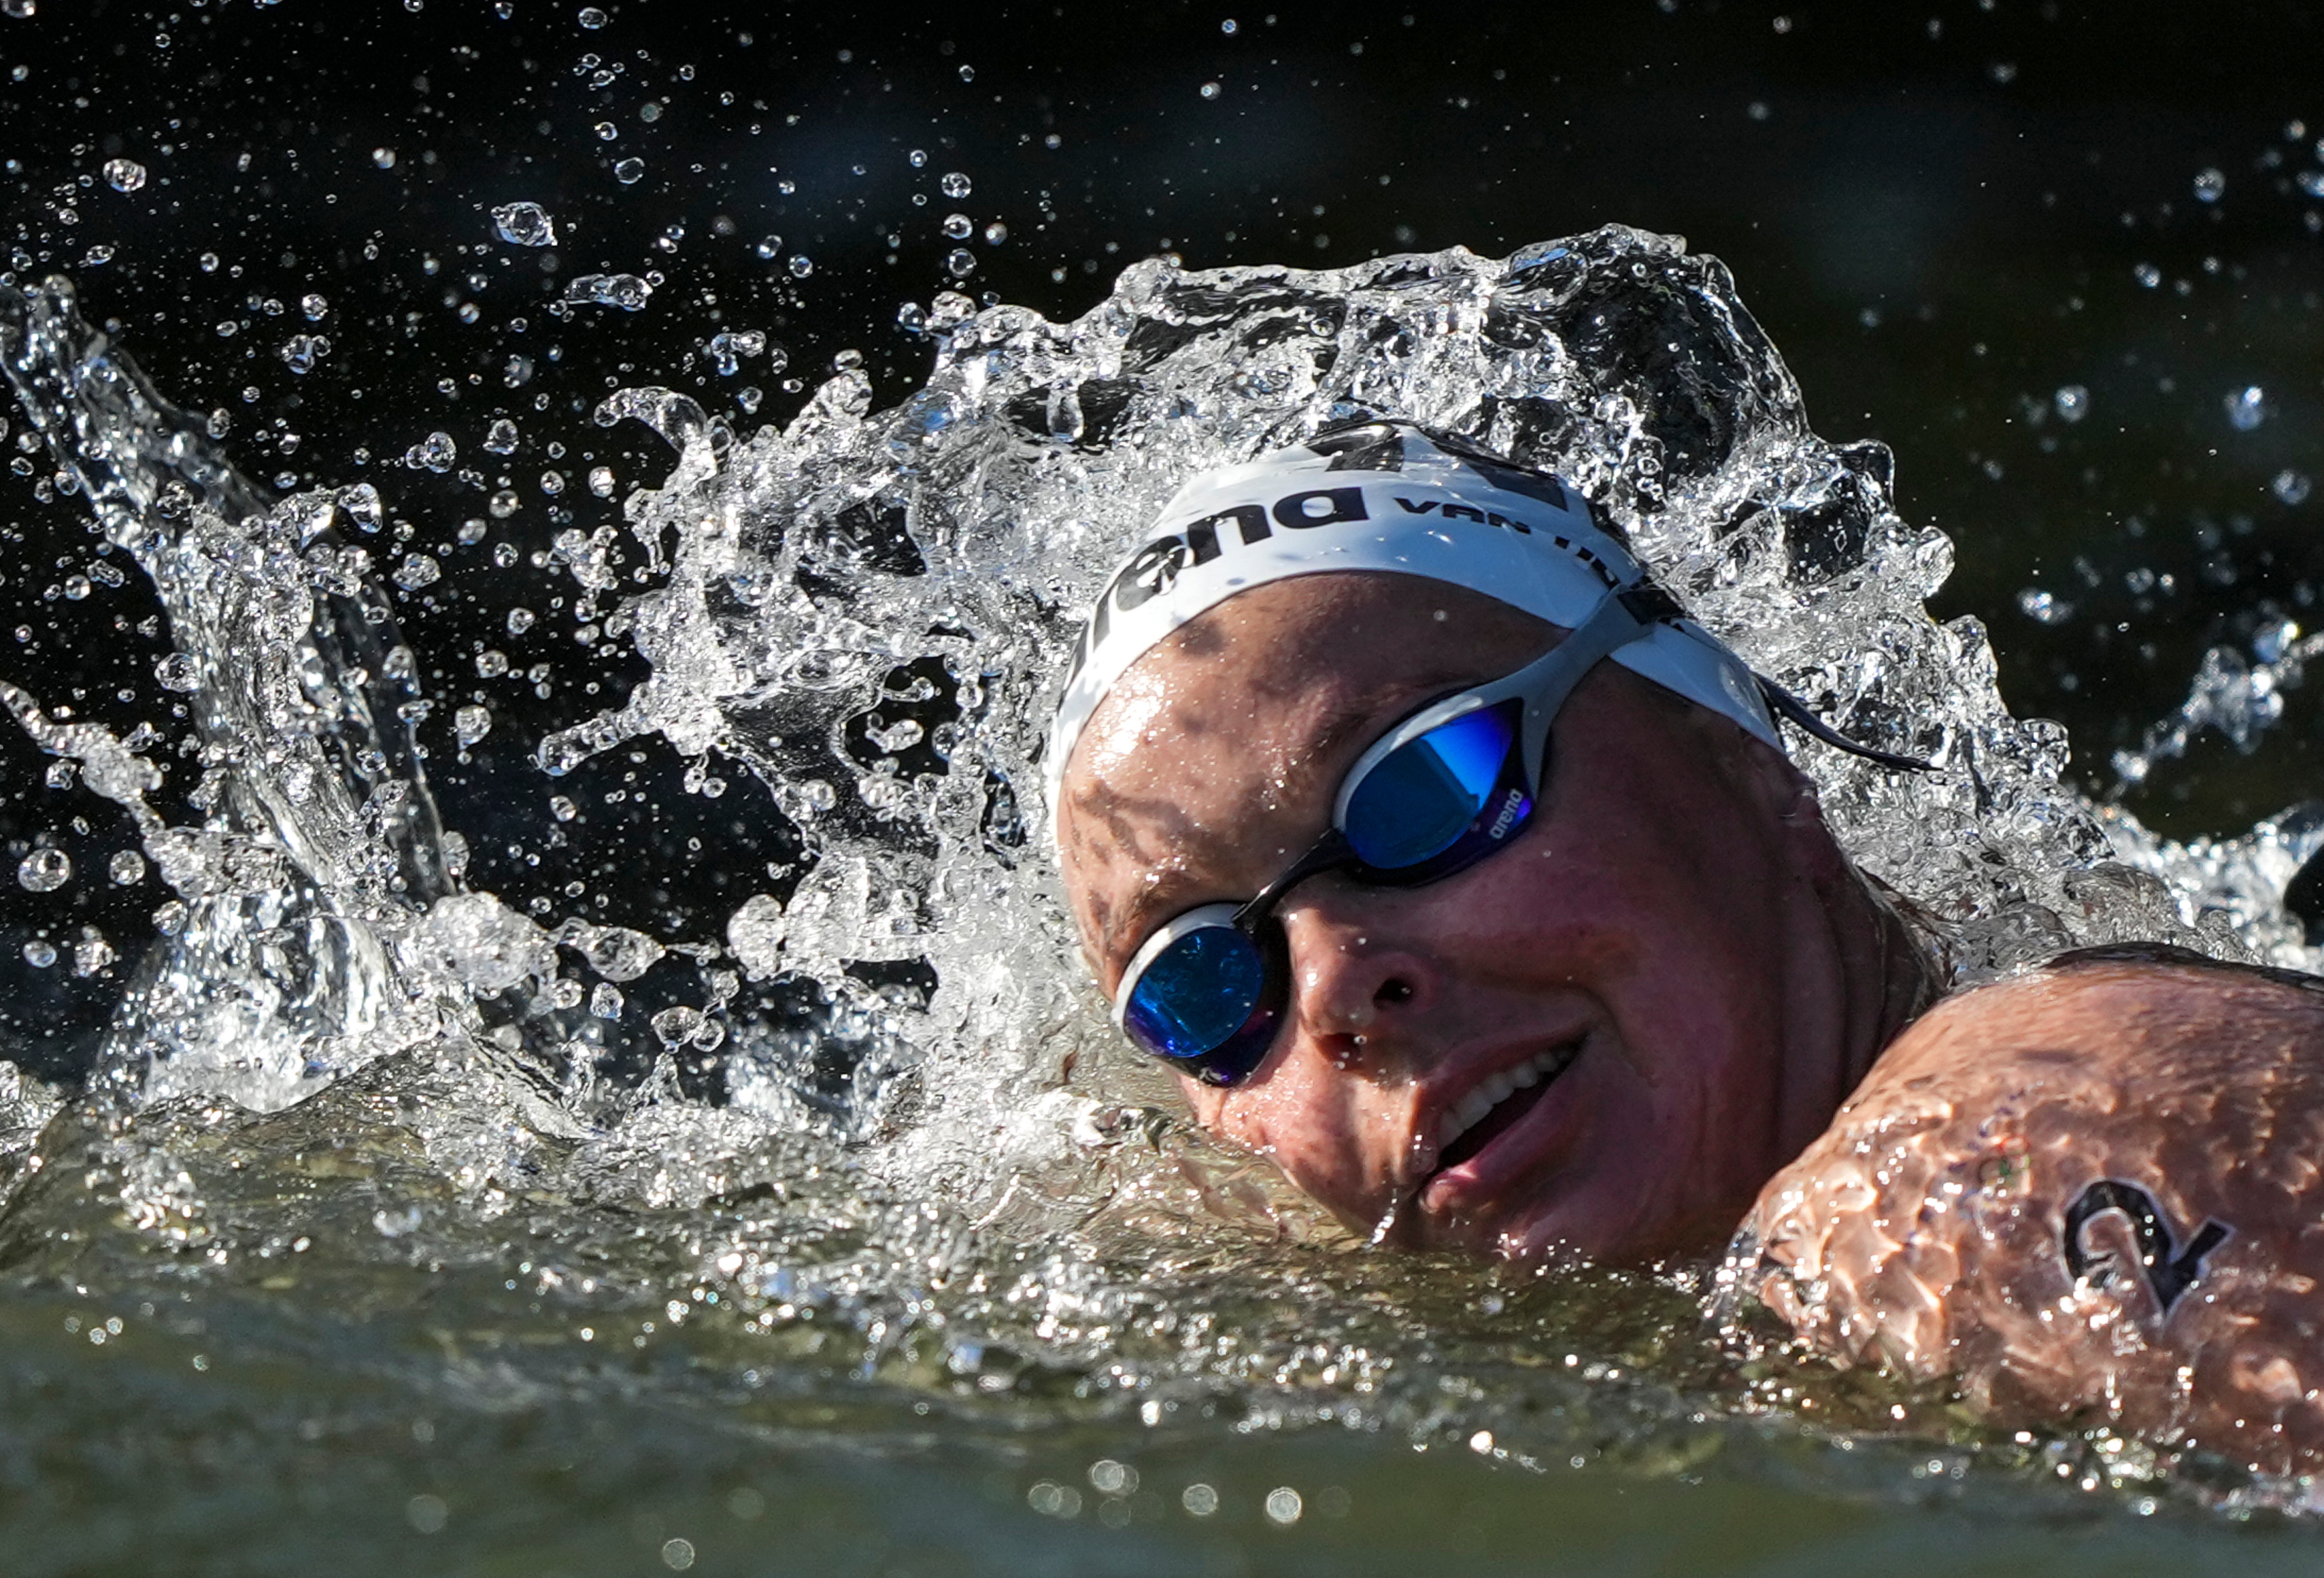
x=2147 y=1010
x=2099 y=1188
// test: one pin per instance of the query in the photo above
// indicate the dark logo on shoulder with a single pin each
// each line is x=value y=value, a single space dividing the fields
x=2169 y=1269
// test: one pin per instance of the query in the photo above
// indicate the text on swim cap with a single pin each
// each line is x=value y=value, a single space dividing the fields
x=1155 y=567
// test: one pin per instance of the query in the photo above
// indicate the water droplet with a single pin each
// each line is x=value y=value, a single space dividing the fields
x=2208 y=185
x=314 y=307
x=770 y=247
x=2246 y=408
x=802 y=266
x=417 y=570
x=606 y=131
x=179 y=671
x=995 y=233
x=593 y=18
x=524 y=225
x=1284 y=1505
x=383 y=157
x=300 y=352
x=18 y=8
x=92 y=954
x=123 y=175
x=677 y=1026
x=44 y=870
x=1210 y=90
x=471 y=724
x=2072 y=401
x=601 y=482
x=626 y=291
x=954 y=186
x=2291 y=486
x=606 y=1001
x=630 y=171
x=2147 y=274
x=562 y=809
x=552 y=482
x=435 y=453
x=520 y=620
x=501 y=436
x=729 y=345
x=40 y=954
x=958 y=263
x=1228 y=27
x=2044 y=608
x=126 y=868
x=917 y=158
x=958 y=226
x=76 y=588
x=968 y=73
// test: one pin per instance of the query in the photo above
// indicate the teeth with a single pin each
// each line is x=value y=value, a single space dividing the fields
x=1496 y=1088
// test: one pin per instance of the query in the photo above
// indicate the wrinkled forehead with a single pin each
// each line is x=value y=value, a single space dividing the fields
x=1215 y=755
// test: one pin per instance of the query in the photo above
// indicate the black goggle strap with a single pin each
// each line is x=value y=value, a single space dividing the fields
x=1325 y=854
x=1783 y=704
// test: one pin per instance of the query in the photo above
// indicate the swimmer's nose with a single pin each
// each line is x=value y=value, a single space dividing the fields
x=1348 y=981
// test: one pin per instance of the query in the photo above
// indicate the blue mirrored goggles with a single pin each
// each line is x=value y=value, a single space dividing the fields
x=1452 y=784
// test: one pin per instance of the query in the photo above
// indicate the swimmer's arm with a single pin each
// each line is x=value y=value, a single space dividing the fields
x=2092 y=1193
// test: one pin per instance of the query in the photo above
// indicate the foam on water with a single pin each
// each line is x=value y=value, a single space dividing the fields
x=857 y=622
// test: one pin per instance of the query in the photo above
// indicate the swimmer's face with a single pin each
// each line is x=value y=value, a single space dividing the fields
x=1657 y=955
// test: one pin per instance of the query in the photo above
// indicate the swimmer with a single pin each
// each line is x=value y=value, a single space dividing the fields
x=1453 y=869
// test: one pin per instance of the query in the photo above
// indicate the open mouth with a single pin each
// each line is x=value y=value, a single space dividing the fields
x=1498 y=1103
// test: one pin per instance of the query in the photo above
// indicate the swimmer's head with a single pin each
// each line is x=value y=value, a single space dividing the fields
x=1601 y=1032
x=1390 y=497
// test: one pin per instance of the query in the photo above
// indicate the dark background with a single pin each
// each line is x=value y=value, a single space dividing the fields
x=1940 y=212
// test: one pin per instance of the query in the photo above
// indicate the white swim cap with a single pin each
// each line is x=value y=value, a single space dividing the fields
x=1383 y=496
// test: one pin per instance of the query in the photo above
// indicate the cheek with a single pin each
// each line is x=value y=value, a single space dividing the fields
x=1672 y=929
x=1319 y=1132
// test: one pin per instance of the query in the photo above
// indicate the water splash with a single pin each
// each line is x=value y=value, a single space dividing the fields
x=922 y=1131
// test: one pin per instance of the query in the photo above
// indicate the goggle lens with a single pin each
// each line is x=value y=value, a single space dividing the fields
x=1201 y=1000
x=1208 y=1000
x=1417 y=801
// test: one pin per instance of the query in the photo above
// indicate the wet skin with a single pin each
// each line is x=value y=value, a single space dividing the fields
x=1945 y=1224
x=2087 y=1194
x=1675 y=931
